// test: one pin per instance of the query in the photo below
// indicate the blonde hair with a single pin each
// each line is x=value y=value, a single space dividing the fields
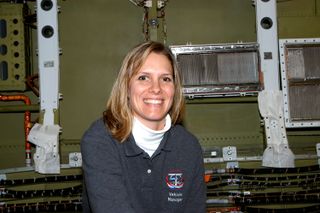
x=118 y=115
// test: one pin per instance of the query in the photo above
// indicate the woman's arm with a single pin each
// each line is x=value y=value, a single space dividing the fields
x=105 y=187
x=196 y=202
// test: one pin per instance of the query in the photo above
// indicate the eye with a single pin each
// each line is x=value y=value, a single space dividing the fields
x=167 y=79
x=142 y=77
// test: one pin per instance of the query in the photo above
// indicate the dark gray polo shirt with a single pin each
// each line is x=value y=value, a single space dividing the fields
x=121 y=177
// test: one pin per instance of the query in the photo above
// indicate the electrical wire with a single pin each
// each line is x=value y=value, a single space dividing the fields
x=64 y=192
x=61 y=199
x=264 y=189
x=30 y=81
x=50 y=206
x=310 y=209
x=49 y=179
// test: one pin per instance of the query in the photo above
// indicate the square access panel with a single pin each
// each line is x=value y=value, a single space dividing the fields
x=218 y=70
x=300 y=77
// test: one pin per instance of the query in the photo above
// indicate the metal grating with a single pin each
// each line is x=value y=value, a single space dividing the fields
x=219 y=70
x=300 y=72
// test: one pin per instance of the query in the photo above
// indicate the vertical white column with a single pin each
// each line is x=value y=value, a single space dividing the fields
x=277 y=153
x=46 y=134
x=267 y=37
x=48 y=52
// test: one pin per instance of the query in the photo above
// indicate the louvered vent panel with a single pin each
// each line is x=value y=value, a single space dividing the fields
x=217 y=70
x=300 y=70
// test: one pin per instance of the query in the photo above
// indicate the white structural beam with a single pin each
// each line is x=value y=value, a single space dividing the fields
x=267 y=37
x=277 y=153
x=48 y=52
x=46 y=135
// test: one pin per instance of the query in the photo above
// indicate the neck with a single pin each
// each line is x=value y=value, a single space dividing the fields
x=146 y=138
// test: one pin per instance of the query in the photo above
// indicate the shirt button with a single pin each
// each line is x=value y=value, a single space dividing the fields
x=149 y=171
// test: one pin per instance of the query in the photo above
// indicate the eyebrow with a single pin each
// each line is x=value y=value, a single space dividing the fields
x=151 y=72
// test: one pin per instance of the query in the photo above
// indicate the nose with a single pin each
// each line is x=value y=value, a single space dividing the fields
x=155 y=86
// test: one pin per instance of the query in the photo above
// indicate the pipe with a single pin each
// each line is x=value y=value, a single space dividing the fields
x=33 y=86
x=20 y=108
x=27 y=121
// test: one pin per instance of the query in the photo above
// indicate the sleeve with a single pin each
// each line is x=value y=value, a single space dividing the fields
x=105 y=189
x=196 y=202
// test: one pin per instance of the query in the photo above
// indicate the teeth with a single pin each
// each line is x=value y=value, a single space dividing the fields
x=153 y=101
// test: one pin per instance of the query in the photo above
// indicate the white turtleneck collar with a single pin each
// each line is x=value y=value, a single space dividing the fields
x=146 y=138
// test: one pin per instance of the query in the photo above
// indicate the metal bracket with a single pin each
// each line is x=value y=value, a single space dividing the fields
x=75 y=159
x=229 y=155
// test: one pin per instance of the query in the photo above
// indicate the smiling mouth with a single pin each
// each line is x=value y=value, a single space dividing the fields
x=153 y=101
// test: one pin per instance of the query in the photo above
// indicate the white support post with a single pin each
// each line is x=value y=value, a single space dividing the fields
x=277 y=153
x=46 y=135
x=48 y=52
x=267 y=37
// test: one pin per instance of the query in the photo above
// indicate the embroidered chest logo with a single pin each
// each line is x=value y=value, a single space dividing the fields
x=175 y=180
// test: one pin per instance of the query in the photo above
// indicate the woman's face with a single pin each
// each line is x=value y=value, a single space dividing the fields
x=151 y=91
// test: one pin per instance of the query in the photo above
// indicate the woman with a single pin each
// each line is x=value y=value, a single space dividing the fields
x=138 y=158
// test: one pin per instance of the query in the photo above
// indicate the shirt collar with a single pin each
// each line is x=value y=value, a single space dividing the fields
x=131 y=149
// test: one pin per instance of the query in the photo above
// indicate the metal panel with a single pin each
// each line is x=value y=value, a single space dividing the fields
x=12 y=47
x=300 y=73
x=219 y=70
